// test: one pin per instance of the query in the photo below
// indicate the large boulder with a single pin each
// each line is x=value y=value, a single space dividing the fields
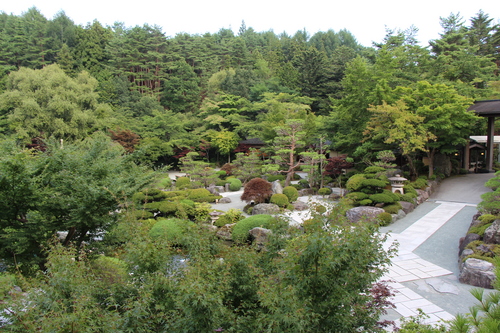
x=479 y=273
x=300 y=205
x=363 y=212
x=464 y=241
x=407 y=207
x=225 y=200
x=260 y=236
x=442 y=164
x=422 y=196
x=265 y=208
x=276 y=187
x=492 y=233
x=306 y=192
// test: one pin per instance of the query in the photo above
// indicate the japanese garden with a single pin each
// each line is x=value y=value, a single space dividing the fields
x=121 y=146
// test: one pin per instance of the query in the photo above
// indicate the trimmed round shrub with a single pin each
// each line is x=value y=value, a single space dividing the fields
x=325 y=191
x=183 y=183
x=170 y=230
x=320 y=209
x=365 y=202
x=165 y=207
x=257 y=190
x=409 y=197
x=409 y=189
x=279 y=199
x=234 y=184
x=241 y=228
x=291 y=193
x=384 y=219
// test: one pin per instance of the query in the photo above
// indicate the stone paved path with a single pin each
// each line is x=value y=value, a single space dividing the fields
x=420 y=283
x=408 y=266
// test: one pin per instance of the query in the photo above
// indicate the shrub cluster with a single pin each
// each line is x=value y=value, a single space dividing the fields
x=240 y=230
x=234 y=184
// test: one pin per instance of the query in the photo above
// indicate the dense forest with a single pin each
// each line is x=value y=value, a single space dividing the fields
x=96 y=237
x=206 y=92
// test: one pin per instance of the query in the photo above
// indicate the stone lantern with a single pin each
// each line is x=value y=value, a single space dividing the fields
x=397 y=183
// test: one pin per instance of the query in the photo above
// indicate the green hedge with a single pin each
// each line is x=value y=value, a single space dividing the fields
x=183 y=183
x=241 y=228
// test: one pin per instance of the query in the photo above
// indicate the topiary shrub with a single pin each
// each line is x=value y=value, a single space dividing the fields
x=234 y=184
x=355 y=182
x=382 y=198
x=257 y=190
x=183 y=183
x=292 y=193
x=408 y=197
x=409 y=189
x=357 y=196
x=170 y=230
x=320 y=209
x=202 y=195
x=272 y=178
x=221 y=174
x=241 y=228
x=230 y=217
x=165 y=207
x=393 y=208
x=365 y=202
x=374 y=170
x=325 y=191
x=281 y=200
x=221 y=182
x=384 y=219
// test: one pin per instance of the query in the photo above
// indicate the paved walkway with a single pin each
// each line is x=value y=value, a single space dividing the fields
x=425 y=271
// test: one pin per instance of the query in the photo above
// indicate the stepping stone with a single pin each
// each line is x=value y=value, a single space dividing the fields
x=442 y=287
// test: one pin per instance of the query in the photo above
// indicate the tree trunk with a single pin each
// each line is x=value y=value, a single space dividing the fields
x=413 y=170
x=430 y=154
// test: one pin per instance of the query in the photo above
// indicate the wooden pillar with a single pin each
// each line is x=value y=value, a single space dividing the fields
x=466 y=155
x=489 y=143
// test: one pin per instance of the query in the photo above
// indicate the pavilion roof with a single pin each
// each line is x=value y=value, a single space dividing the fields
x=489 y=108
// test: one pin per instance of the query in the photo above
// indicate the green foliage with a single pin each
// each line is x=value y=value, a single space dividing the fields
x=325 y=191
x=279 y=199
x=365 y=202
x=231 y=216
x=291 y=192
x=374 y=169
x=479 y=229
x=393 y=208
x=234 y=184
x=382 y=198
x=165 y=182
x=357 y=196
x=355 y=182
x=170 y=230
x=487 y=218
x=272 y=178
x=384 y=218
x=409 y=189
x=182 y=183
x=240 y=230
x=420 y=183
x=202 y=195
